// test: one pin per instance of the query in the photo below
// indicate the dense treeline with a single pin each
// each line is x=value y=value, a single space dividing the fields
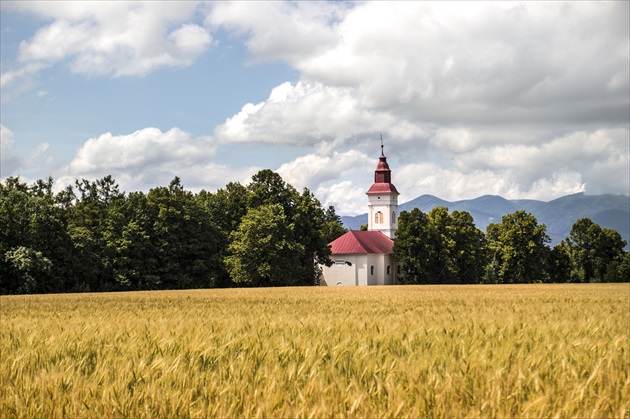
x=93 y=237
x=439 y=247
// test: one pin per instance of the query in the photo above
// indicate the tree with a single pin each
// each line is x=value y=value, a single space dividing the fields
x=225 y=208
x=596 y=253
x=31 y=267
x=306 y=216
x=268 y=187
x=184 y=237
x=263 y=250
x=411 y=248
x=439 y=247
x=468 y=248
x=517 y=249
x=559 y=266
x=33 y=228
x=333 y=227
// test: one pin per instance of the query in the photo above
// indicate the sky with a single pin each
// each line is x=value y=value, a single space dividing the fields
x=523 y=100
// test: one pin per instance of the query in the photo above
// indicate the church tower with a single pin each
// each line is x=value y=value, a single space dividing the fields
x=383 y=200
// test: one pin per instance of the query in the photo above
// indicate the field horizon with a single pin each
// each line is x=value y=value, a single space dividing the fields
x=556 y=350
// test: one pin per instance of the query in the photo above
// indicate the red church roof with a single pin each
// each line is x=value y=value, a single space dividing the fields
x=362 y=242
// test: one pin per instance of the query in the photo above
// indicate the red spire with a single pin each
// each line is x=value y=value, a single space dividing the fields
x=382 y=176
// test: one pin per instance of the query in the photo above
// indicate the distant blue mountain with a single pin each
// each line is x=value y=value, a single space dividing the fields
x=559 y=215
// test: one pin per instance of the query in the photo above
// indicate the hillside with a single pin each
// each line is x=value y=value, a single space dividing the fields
x=610 y=211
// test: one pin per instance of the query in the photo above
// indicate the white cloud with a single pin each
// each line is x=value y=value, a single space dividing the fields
x=307 y=113
x=289 y=31
x=516 y=99
x=443 y=62
x=451 y=184
x=598 y=156
x=149 y=157
x=314 y=170
x=109 y=38
x=347 y=198
x=522 y=99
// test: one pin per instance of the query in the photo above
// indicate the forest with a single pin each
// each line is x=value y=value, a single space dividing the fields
x=92 y=237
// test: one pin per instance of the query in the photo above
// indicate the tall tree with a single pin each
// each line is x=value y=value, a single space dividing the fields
x=412 y=249
x=263 y=250
x=468 y=248
x=184 y=237
x=595 y=252
x=517 y=249
x=439 y=247
x=333 y=227
x=225 y=208
x=33 y=229
x=306 y=216
x=559 y=265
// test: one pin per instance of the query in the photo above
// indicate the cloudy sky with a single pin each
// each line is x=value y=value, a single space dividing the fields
x=523 y=100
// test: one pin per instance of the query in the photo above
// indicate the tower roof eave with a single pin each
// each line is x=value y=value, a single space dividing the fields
x=381 y=188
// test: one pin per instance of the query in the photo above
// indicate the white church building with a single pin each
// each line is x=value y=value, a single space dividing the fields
x=365 y=257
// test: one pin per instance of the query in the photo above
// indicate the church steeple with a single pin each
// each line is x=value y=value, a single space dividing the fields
x=382 y=176
x=383 y=199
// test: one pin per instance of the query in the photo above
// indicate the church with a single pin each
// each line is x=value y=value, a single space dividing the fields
x=366 y=257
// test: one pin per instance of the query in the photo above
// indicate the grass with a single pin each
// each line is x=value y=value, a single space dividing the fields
x=426 y=351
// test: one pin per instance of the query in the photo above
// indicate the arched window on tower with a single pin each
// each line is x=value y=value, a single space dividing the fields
x=393 y=217
x=378 y=217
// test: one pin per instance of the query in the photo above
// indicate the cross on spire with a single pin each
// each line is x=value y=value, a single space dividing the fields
x=382 y=152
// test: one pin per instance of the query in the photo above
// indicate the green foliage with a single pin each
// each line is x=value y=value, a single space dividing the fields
x=517 y=249
x=439 y=247
x=411 y=247
x=92 y=237
x=30 y=266
x=263 y=250
x=596 y=253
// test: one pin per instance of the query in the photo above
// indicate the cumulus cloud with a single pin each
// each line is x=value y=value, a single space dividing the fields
x=149 y=157
x=313 y=170
x=440 y=61
x=345 y=196
x=524 y=100
x=109 y=38
x=307 y=113
x=516 y=99
x=288 y=31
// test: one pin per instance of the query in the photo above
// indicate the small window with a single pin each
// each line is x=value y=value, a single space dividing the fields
x=393 y=216
x=372 y=270
x=389 y=270
x=378 y=217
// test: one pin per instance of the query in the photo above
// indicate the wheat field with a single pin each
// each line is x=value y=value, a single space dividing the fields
x=400 y=351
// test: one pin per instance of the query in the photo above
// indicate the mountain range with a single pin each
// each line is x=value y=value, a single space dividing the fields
x=609 y=211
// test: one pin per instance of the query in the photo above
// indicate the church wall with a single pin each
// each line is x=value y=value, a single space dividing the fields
x=343 y=274
x=359 y=272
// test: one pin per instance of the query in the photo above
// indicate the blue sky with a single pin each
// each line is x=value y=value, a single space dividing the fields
x=523 y=100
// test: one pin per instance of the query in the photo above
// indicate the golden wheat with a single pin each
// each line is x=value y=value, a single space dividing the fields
x=425 y=351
